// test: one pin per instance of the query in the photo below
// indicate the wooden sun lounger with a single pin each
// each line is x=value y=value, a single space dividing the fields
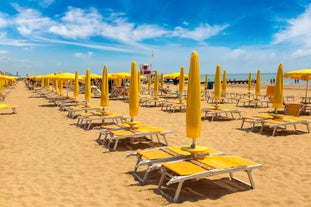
x=113 y=134
x=151 y=159
x=182 y=171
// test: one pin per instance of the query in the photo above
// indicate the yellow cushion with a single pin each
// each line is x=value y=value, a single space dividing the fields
x=183 y=168
x=154 y=154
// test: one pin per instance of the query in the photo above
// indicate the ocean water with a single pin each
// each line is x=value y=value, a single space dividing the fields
x=265 y=78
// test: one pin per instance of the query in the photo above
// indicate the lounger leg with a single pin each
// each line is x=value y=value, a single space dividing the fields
x=178 y=191
x=250 y=177
x=243 y=120
x=274 y=130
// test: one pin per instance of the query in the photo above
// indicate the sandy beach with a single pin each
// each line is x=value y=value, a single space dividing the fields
x=46 y=160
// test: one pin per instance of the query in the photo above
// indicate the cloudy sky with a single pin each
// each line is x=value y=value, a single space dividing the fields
x=46 y=36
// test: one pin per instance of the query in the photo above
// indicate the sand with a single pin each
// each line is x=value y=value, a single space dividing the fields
x=45 y=160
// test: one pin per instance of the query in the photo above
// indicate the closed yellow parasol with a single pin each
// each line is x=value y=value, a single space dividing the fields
x=181 y=81
x=76 y=86
x=217 y=88
x=249 y=85
x=104 y=98
x=258 y=82
x=206 y=81
x=193 y=111
x=87 y=85
x=156 y=84
x=133 y=96
x=224 y=82
x=278 y=89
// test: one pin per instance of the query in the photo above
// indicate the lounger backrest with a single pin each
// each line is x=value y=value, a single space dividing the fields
x=293 y=109
x=270 y=91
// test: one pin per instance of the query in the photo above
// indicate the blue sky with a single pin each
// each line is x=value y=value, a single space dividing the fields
x=46 y=36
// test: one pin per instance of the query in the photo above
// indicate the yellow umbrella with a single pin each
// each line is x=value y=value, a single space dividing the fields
x=249 y=86
x=304 y=74
x=161 y=81
x=133 y=96
x=104 y=98
x=156 y=84
x=258 y=82
x=76 y=86
x=55 y=84
x=217 y=87
x=193 y=111
x=278 y=89
x=181 y=81
x=60 y=86
x=87 y=93
x=149 y=81
x=224 y=82
x=139 y=79
x=206 y=81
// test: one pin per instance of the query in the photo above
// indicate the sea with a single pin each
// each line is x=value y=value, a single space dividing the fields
x=265 y=78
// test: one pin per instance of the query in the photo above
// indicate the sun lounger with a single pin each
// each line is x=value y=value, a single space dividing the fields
x=253 y=120
x=151 y=159
x=86 y=120
x=173 y=106
x=114 y=133
x=182 y=171
x=221 y=112
x=150 y=102
x=72 y=111
x=282 y=123
x=253 y=102
x=9 y=106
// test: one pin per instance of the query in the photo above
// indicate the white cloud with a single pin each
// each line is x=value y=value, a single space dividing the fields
x=301 y=53
x=46 y=3
x=204 y=31
x=297 y=31
x=14 y=42
x=29 y=21
x=83 y=55
x=3 y=52
x=78 y=23
x=3 y=20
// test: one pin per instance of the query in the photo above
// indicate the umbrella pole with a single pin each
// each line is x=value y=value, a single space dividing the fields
x=193 y=143
x=307 y=89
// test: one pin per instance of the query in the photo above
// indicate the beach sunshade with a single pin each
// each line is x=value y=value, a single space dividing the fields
x=304 y=74
x=133 y=96
x=181 y=81
x=55 y=85
x=258 y=82
x=76 y=86
x=278 y=90
x=156 y=84
x=193 y=111
x=206 y=81
x=217 y=87
x=149 y=81
x=249 y=85
x=139 y=80
x=87 y=93
x=60 y=86
x=104 y=98
x=162 y=81
x=224 y=82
